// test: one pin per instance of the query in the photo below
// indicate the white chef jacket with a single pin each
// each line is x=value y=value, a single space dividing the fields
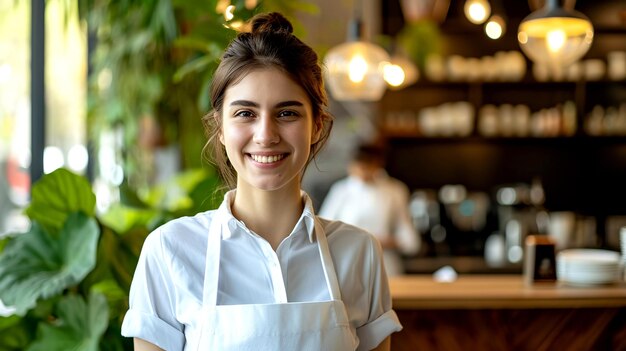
x=166 y=292
x=380 y=207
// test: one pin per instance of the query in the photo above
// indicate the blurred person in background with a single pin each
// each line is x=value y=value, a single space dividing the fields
x=369 y=198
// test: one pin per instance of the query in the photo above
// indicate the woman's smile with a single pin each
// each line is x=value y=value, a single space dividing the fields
x=267 y=159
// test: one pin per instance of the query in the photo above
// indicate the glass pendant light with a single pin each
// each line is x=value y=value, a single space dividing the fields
x=555 y=36
x=354 y=70
x=477 y=11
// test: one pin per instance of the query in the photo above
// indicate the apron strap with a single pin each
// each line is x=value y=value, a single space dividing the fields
x=212 y=265
x=327 y=261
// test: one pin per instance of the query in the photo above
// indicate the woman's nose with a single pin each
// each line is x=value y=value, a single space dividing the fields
x=266 y=131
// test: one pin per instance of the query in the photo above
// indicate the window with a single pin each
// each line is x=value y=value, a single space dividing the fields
x=65 y=91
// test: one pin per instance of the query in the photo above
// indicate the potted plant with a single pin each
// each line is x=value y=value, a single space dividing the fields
x=68 y=277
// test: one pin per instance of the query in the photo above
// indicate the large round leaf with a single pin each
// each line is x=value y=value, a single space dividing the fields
x=58 y=194
x=36 y=265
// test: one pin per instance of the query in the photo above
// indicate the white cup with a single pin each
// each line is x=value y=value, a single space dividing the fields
x=595 y=69
x=561 y=228
x=616 y=65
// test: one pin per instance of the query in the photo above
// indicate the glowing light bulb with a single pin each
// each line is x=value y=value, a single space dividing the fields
x=229 y=13
x=477 y=11
x=394 y=75
x=495 y=27
x=357 y=69
x=555 y=40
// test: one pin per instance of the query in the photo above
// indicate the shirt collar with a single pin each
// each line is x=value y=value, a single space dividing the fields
x=307 y=218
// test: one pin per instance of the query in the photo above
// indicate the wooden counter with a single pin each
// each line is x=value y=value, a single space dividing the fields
x=499 y=291
x=499 y=312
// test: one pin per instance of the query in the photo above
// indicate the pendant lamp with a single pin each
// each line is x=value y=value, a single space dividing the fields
x=555 y=36
x=354 y=70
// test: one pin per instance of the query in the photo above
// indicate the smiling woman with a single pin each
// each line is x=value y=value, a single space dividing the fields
x=263 y=271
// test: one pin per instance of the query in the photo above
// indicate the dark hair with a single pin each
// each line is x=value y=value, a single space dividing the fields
x=370 y=153
x=270 y=44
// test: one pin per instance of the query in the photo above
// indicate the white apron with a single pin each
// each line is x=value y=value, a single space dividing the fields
x=318 y=325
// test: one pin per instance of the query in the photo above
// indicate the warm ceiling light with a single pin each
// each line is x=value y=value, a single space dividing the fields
x=555 y=36
x=400 y=72
x=354 y=70
x=477 y=11
x=495 y=27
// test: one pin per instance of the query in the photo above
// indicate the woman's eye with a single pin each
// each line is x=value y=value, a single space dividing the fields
x=243 y=113
x=288 y=113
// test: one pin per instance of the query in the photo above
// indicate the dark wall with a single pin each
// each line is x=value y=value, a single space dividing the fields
x=586 y=175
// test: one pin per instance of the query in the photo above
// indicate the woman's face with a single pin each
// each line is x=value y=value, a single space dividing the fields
x=267 y=130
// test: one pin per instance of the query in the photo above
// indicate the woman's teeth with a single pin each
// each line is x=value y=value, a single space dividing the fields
x=267 y=159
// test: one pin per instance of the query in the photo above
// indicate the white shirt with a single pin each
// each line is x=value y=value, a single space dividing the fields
x=166 y=292
x=380 y=207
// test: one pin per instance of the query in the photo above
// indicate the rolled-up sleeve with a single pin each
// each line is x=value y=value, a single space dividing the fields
x=373 y=333
x=151 y=315
x=382 y=321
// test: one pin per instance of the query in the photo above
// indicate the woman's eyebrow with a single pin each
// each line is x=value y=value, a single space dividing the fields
x=246 y=103
x=289 y=103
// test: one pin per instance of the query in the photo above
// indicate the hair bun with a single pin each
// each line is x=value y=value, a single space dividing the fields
x=271 y=22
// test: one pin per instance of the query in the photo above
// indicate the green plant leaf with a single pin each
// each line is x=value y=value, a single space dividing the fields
x=79 y=327
x=199 y=44
x=195 y=65
x=14 y=334
x=35 y=265
x=207 y=194
x=123 y=218
x=58 y=194
x=173 y=195
x=419 y=39
x=111 y=290
x=3 y=243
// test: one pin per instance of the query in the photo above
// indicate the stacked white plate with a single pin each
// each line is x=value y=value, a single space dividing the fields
x=622 y=240
x=588 y=266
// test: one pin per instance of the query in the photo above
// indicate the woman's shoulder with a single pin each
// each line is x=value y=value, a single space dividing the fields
x=181 y=233
x=188 y=224
x=340 y=232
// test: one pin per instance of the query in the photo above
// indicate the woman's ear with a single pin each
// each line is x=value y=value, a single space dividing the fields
x=218 y=124
x=318 y=128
